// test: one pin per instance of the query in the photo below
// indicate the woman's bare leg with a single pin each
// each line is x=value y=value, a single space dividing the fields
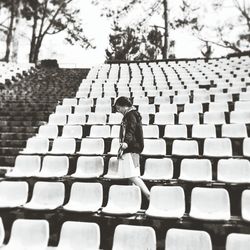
x=140 y=183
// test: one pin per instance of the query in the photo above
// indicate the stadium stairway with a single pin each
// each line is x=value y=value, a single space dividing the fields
x=27 y=103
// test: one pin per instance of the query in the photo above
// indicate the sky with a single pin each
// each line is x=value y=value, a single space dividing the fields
x=98 y=29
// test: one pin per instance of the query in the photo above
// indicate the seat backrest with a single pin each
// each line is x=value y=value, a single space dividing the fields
x=92 y=146
x=241 y=105
x=193 y=107
x=82 y=109
x=233 y=170
x=246 y=147
x=48 y=193
x=48 y=131
x=89 y=166
x=61 y=109
x=237 y=241
x=164 y=118
x=37 y=145
x=218 y=106
x=168 y=199
x=203 y=131
x=21 y=231
x=55 y=165
x=97 y=118
x=72 y=131
x=130 y=237
x=74 y=234
x=168 y=108
x=214 y=117
x=87 y=194
x=180 y=239
x=115 y=144
x=13 y=193
x=240 y=116
x=76 y=119
x=185 y=147
x=195 y=170
x=98 y=131
x=189 y=118
x=115 y=118
x=123 y=196
x=27 y=164
x=217 y=147
x=210 y=203
x=175 y=131
x=150 y=131
x=115 y=131
x=234 y=130
x=154 y=147
x=63 y=146
x=245 y=207
x=2 y=232
x=158 y=169
x=69 y=102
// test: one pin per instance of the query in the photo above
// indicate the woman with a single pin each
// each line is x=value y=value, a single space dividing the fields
x=131 y=143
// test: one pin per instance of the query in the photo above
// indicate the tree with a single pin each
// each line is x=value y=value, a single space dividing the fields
x=126 y=44
x=153 y=7
x=8 y=29
x=238 y=24
x=50 y=17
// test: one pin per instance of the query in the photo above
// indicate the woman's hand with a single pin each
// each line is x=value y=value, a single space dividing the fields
x=123 y=145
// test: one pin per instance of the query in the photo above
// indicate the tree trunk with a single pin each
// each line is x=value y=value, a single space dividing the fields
x=10 y=32
x=165 y=47
x=33 y=38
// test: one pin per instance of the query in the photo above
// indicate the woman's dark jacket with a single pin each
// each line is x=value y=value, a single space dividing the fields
x=131 y=132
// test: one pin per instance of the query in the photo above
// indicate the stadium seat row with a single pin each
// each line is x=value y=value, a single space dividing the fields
x=88 y=235
x=211 y=204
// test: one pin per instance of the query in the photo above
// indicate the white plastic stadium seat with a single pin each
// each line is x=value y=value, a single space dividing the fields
x=63 y=146
x=76 y=119
x=166 y=202
x=150 y=131
x=115 y=118
x=164 y=118
x=54 y=166
x=240 y=116
x=97 y=131
x=234 y=130
x=203 y=131
x=130 y=237
x=158 y=169
x=195 y=170
x=175 y=131
x=115 y=144
x=189 y=118
x=72 y=131
x=89 y=167
x=237 y=241
x=48 y=131
x=20 y=236
x=92 y=146
x=13 y=193
x=185 y=147
x=210 y=204
x=36 y=145
x=96 y=118
x=217 y=147
x=245 y=205
x=58 y=119
x=75 y=233
x=214 y=117
x=25 y=166
x=246 y=147
x=46 y=196
x=112 y=169
x=154 y=147
x=123 y=200
x=233 y=170
x=85 y=197
x=180 y=239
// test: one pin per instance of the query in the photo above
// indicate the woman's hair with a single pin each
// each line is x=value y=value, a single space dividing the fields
x=123 y=101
